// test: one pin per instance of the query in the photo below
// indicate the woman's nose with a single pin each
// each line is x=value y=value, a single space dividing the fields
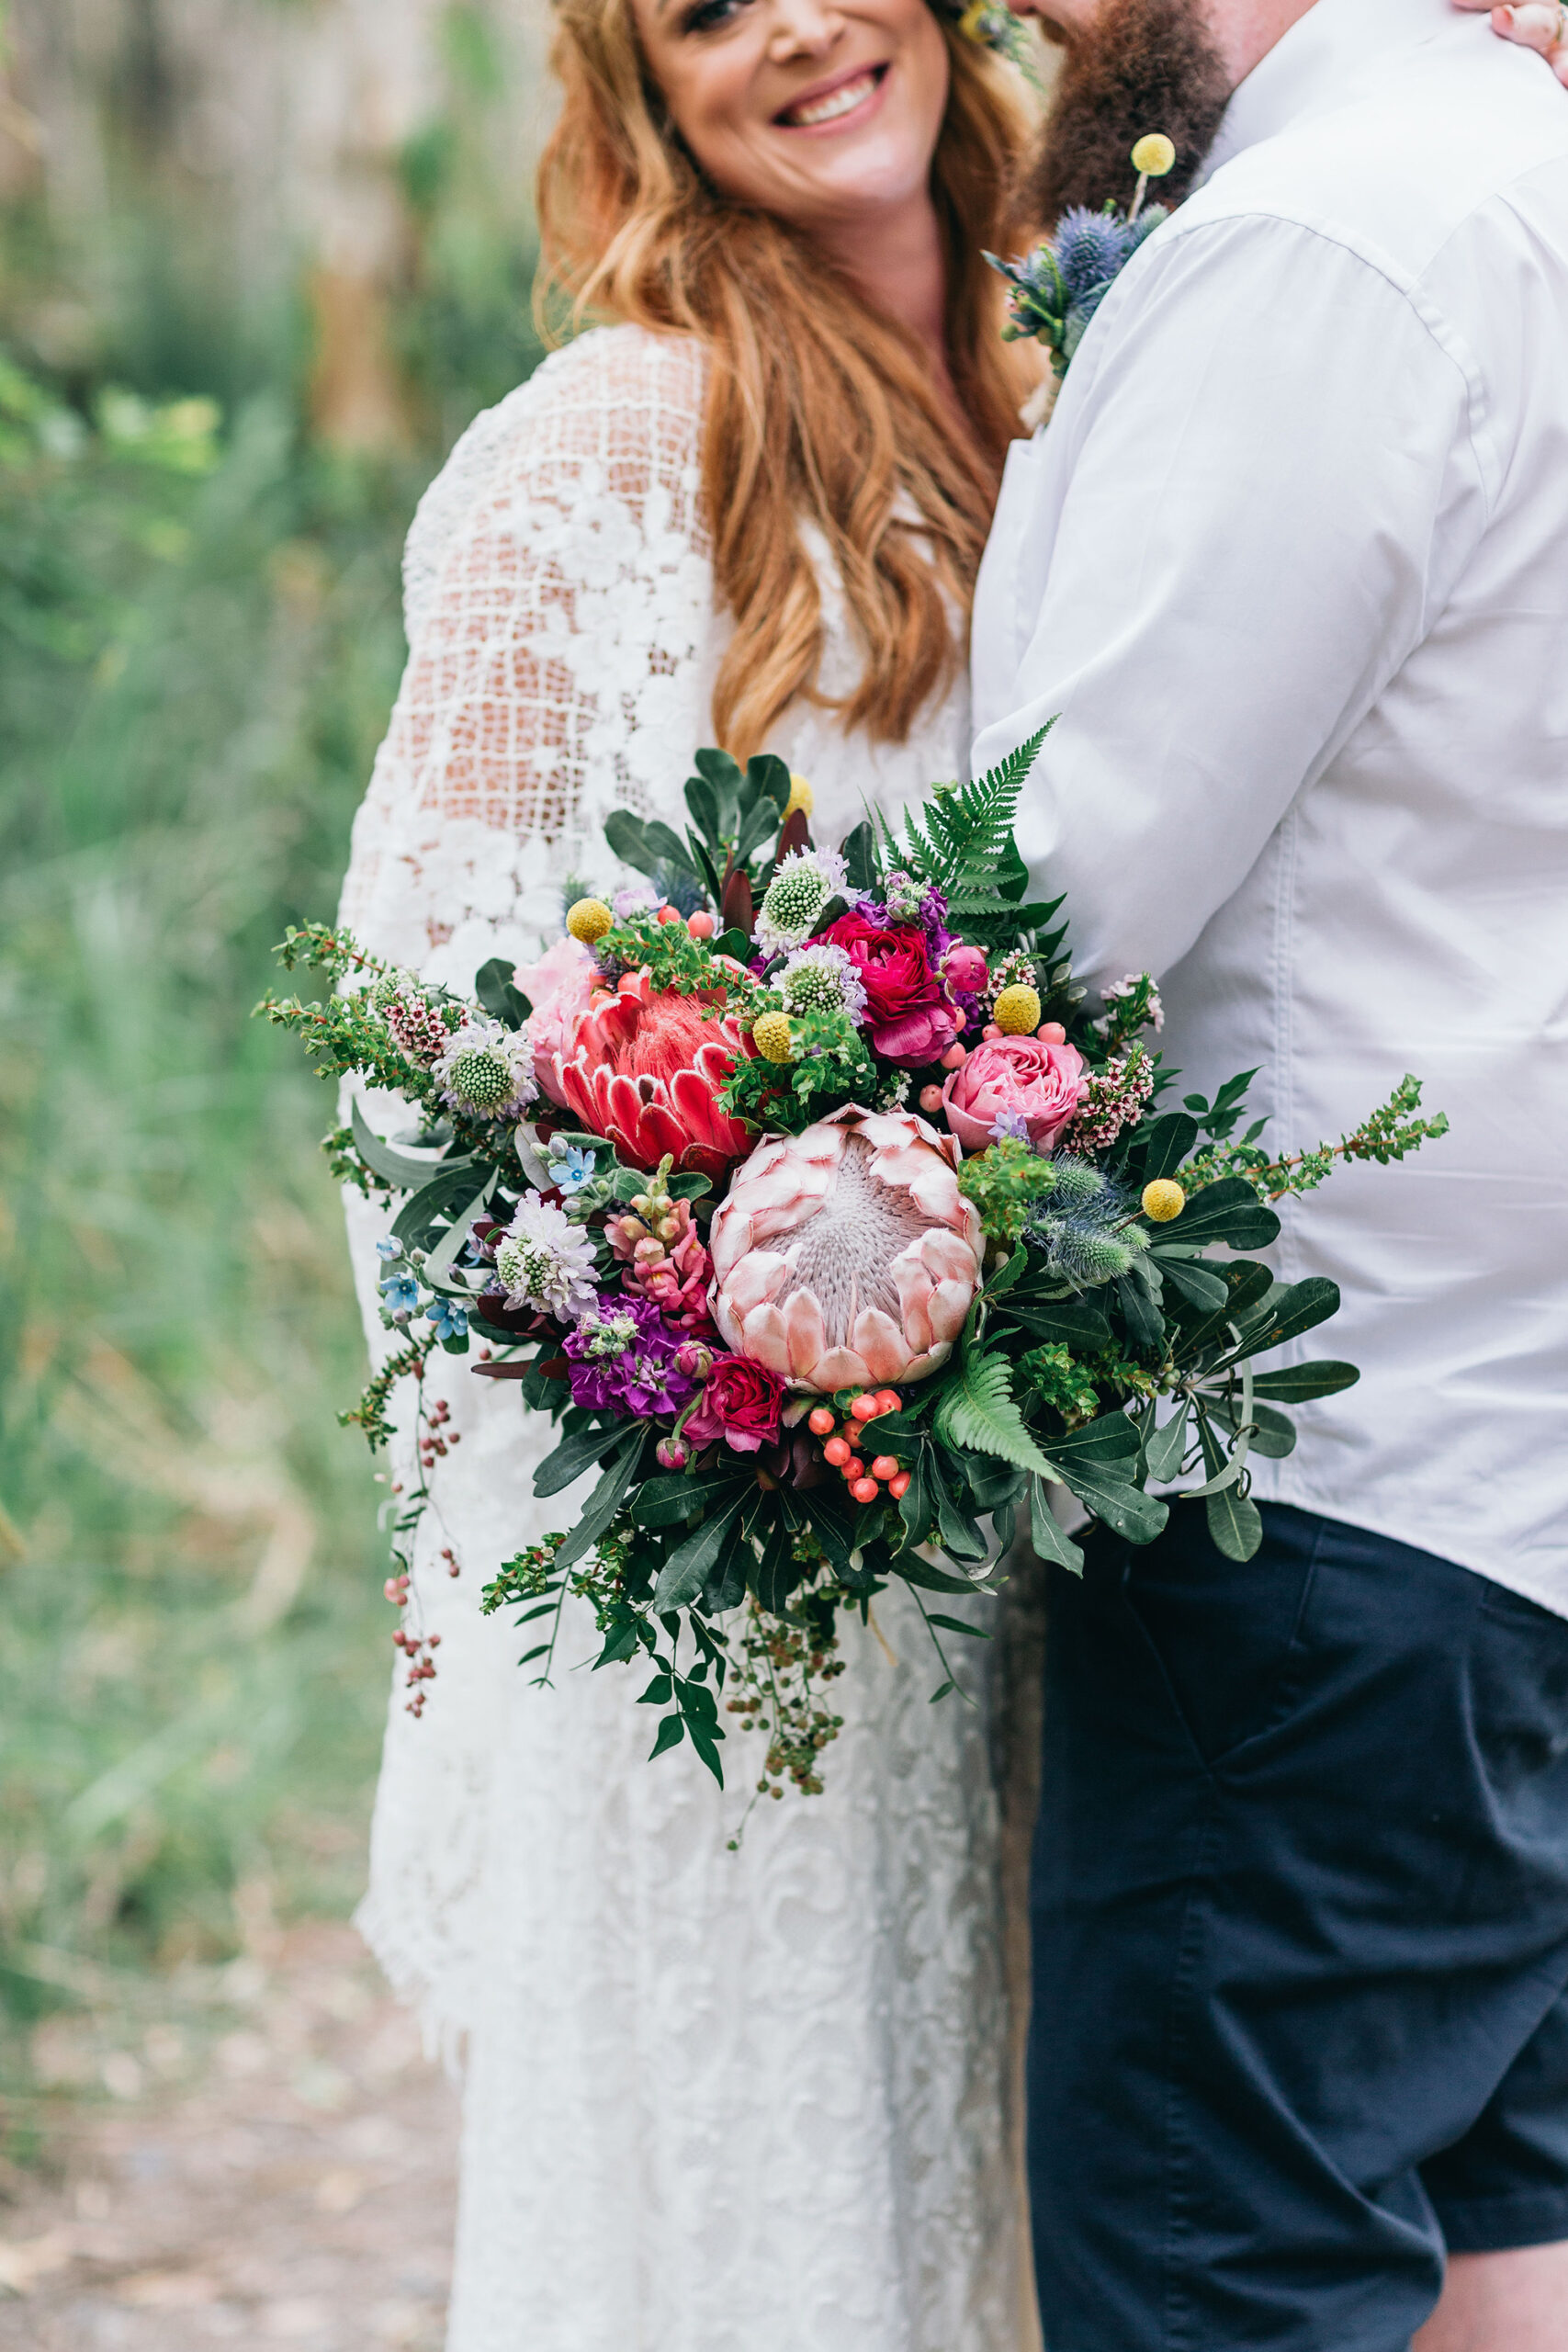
x=803 y=29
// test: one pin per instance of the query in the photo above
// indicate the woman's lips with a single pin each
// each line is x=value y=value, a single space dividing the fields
x=830 y=106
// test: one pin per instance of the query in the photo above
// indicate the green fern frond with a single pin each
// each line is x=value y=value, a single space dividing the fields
x=978 y=1411
x=968 y=828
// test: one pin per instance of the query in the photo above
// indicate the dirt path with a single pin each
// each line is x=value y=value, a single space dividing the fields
x=295 y=2187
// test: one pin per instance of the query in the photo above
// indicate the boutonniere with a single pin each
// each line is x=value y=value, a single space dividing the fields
x=1057 y=289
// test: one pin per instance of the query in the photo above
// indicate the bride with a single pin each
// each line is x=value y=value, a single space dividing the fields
x=713 y=2098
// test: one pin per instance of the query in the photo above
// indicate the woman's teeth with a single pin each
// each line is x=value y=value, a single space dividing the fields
x=837 y=102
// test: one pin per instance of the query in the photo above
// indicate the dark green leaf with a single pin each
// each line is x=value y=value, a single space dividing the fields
x=1169 y=1141
x=1049 y=1538
x=1296 y=1309
x=702 y=802
x=672 y=1732
x=686 y=1569
x=1229 y=1210
x=941 y=1691
x=1062 y=1321
x=914 y=1570
x=500 y=994
x=624 y=835
x=620 y=1645
x=773 y=779
x=1112 y=1438
x=605 y=1501
x=1124 y=1507
x=1202 y=1285
x=735 y=944
x=1145 y=1324
x=859 y=853
x=1163 y=1453
x=775 y=1575
x=418 y=1220
x=1302 y=1382
x=958 y=1625
x=725 y=1587
x=656 y=1693
x=1234 y=1522
x=703 y=1741
x=576 y=1454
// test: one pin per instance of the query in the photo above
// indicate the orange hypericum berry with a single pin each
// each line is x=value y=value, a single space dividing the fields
x=669 y=914
x=854 y=1468
x=888 y=1401
x=884 y=1467
x=701 y=925
x=837 y=1451
x=865 y=1408
x=865 y=1490
x=899 y=1486
x=823 y=1422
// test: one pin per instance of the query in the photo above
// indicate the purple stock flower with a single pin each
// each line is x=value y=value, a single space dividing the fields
x=623 y=1359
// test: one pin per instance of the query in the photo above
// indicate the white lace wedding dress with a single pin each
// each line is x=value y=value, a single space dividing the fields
x=713 y=2101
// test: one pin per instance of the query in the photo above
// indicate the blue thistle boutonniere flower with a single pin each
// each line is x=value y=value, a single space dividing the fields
x=1057 y=289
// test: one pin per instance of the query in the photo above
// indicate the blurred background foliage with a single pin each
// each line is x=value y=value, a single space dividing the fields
x=260 y=261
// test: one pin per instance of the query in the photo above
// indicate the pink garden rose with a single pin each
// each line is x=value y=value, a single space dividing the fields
x=1041 y=1083
x=740 y=1403
x=557 y=987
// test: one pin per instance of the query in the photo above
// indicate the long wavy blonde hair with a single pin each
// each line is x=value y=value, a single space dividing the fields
x=819 y=410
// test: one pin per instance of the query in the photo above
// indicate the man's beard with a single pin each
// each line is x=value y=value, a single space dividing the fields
x=1146 y=65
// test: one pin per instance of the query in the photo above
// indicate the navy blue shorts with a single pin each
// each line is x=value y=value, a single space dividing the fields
x=1300 y=1941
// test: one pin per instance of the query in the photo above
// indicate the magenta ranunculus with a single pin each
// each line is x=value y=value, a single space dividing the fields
x=1041 y=1083
x=740 y=1404
x=909 y=1015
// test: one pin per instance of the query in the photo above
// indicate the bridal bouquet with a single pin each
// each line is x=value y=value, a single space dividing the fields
x=838 y=1237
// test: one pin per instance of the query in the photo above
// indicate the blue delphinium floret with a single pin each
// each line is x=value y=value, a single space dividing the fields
x=399 y=1294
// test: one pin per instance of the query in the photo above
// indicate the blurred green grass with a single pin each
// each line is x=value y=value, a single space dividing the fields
x=197 y=655
x=199 y=642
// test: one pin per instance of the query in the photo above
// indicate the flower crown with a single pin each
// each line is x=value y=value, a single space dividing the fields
x=992 y=25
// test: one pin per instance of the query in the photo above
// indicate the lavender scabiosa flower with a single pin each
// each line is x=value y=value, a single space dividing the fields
x=624 y=1359
x=822 y=979
x=487 y=1071
x=543 y=1260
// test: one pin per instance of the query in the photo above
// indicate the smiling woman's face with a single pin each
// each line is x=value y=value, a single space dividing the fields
x=825 y=115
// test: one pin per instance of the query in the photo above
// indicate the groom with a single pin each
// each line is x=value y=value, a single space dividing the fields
x=1292 y=562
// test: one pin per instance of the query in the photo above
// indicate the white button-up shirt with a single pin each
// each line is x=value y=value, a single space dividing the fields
x=1292 y=562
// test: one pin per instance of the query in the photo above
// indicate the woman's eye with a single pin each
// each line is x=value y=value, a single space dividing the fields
x=710 y=15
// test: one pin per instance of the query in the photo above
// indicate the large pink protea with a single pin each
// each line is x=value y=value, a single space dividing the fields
x=847 y=1256
x=644 y=1071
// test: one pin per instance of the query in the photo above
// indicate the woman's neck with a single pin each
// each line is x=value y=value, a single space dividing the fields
x=895 y=258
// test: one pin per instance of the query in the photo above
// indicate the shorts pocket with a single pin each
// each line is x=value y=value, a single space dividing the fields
x=1228 y=1636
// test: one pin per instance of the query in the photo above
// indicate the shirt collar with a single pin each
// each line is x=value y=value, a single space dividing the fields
x=1315 y=65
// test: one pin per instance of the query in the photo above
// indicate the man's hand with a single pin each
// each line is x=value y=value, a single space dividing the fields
x=1541 y=25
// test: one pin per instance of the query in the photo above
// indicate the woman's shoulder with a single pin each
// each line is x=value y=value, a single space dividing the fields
x=620 y=407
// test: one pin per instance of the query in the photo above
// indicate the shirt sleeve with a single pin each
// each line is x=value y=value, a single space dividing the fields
x=1244 y=516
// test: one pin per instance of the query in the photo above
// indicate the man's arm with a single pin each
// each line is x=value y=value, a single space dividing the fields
x=1255 y=506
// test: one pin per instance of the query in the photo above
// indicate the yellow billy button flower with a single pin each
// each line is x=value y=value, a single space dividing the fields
x=973 y=20
x=802 y=799
x=1017 y=1010
x=1163 y=1201
x=773 y=1038
x=1153 y=156
x=589 y=920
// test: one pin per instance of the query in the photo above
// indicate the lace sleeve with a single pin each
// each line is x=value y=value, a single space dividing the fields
x=560 y=612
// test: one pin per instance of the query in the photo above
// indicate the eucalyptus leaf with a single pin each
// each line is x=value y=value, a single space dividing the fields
x=625 y=836
x=1201 y=1286
x=408 y=1170
x=1124 y=1507
x=1169 y=1140
x=576 y=1454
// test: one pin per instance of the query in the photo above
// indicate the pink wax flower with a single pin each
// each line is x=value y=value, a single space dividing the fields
x=1042 y=1082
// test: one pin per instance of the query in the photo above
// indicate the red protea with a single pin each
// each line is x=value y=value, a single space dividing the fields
x=644 y=1071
